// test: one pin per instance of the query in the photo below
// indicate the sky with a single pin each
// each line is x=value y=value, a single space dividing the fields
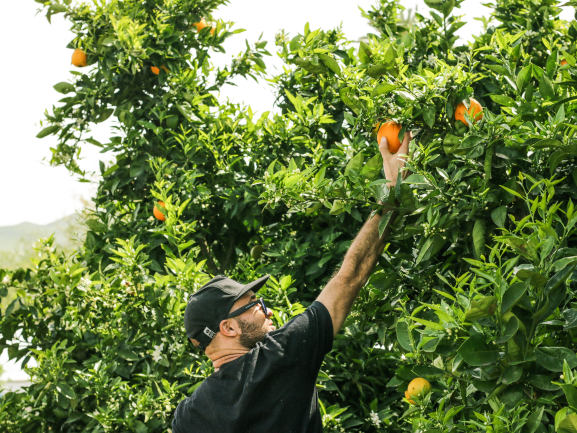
x=32 y=190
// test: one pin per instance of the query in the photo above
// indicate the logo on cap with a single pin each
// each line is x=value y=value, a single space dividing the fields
x=209 y=333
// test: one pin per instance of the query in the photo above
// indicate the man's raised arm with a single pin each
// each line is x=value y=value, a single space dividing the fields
x=340 y=293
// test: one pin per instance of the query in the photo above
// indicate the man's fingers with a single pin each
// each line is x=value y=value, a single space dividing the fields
x=384 y=146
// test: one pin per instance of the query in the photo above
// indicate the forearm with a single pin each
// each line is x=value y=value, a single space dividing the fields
x=339 y=295
x=364 y=253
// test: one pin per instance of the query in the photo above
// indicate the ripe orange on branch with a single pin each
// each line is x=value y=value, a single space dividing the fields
x=156 y=70
x=79 y=58
x=157 y=213
x=564 y=62
x=201 y=25
x=475 y=111
x=390 y=130
x=419 y=388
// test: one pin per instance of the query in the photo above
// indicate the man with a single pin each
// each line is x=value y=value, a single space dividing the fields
x=265 y=379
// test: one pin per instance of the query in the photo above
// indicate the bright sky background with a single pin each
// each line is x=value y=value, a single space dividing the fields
x=37 y=58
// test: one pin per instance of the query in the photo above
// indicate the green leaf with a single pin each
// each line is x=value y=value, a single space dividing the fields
x=429 y=113
x=546 y=88
x=571 y=394
x=558 y=279
x=477 y=353
x=373 y=167
x=96 y=226
x=499 y=216
x=139 y=426
x=443 y=6
x=382 y=89
x=330 y=63
x=524 y=77
x=416 y=179
x=128 y=354
x=479 y=238
x=431 y=247
x=512 y=374
x=548 y=142
x=504 y=100
x=348 y=97
x=568 y=425
x=542 y=382
x=512 y=296
x=48 y=130
x=533 y=421
x=64 y=87
x=428 y=372
x=354 y=166
x=551 y=358
x=65 y=390
x=337 y=208
x=384 y=221
x=510 y=330
x=403 y=336
x=484 y=307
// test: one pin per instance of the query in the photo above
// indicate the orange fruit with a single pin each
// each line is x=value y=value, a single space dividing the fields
x=390 y=130
x=201 y=25
x=79 y=58
x=418 y=387
x=156 y=71
x=159 y=215
x=564 y=62
x=475 y=111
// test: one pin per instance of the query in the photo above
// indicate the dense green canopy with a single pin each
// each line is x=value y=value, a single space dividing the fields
x=474 y=291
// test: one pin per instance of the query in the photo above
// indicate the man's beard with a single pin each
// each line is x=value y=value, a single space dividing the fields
x=251 y=333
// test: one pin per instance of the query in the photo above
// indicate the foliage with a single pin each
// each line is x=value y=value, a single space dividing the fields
x=475 y=290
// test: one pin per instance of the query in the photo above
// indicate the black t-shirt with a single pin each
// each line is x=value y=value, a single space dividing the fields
x=270 y=389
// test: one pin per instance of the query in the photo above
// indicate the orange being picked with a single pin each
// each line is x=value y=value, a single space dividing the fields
x=201 y=25
x=79 y=58
x=390 y=130
x=156 y=71
x=419 y=388
x=564 y=62
x=475 y=111
x=159 y=215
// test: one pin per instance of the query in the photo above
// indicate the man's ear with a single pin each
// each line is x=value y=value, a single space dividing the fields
x=229 y=328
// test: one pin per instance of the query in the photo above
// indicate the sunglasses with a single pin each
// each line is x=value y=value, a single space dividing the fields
x=248 y=306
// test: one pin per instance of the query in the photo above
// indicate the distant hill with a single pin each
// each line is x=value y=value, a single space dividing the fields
x=16 y=241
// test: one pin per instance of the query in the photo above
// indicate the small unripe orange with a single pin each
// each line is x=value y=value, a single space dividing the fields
x=201 y=25
x=418 y=387
x=156 y=70
x=157 y=213
x=390 y=130
x=79 y=58
x=475 y=111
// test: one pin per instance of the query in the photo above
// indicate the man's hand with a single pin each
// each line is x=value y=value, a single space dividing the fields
x=392 y=163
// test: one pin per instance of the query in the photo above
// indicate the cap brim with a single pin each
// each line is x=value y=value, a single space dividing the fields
x=255 y=286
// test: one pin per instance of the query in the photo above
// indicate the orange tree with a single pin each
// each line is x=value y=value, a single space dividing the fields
x=474 y=292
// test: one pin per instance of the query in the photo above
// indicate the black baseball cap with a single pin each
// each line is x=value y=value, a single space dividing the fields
x=210 y=305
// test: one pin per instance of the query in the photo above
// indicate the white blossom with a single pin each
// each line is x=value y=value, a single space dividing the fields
x=6 y=280
x=157 y=355
x=375 y=419
x=431 y=60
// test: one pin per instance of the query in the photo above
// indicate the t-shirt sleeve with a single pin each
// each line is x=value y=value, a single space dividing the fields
x=308 y=337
